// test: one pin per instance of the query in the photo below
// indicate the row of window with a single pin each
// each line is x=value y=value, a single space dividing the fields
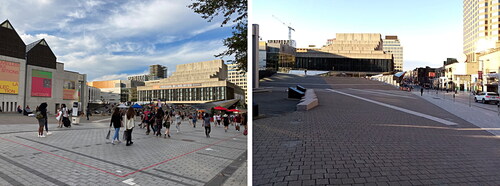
x=9 y=107
x=187 y=94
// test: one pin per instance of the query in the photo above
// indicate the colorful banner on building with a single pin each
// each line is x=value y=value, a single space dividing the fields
x=41 y=83
x=9 y=77
x=69 y=90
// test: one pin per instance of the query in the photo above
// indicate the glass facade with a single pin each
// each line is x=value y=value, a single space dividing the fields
x=345 y=64
x=187 y=94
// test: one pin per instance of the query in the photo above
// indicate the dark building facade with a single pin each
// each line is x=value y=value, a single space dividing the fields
x=10 y=43
x=39 y=54
x=331 y=62
x=425 y=76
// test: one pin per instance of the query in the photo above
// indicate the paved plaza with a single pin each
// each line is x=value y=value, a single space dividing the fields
x=365 y=132
x=81 y=155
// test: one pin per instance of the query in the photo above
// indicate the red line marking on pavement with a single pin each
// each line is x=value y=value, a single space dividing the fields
x=61 y=157
x=139 y=170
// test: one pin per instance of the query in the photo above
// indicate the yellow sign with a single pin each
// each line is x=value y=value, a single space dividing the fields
x=9 y=87
x=9 y=77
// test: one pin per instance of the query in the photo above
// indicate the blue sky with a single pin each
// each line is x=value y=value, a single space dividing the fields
x=429 y=30
x=114 y=39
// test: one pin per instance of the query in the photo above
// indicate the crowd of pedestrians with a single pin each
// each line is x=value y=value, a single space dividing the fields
x=154 y=119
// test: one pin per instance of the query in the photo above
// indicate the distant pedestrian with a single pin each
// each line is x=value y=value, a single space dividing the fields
x=237 y=121
x=46 y=124
x=168 y=122
x=206 y=124
x=19 y=109
x=244 y=121
x=65 y=115
x=305 y=72
x=41 y=116
x=225 y=120
x=195 y=118
x=116 y=122
x=150 y=121
x=218 y=118
x=88 y=112
x=421 y=91
x=129 y=123
x=159 y=121
x=178 y=121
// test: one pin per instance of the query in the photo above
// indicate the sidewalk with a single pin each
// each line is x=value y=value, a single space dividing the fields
x=487 y=119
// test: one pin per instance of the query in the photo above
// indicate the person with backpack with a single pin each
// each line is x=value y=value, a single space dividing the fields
x=159 y=121
x=206 y=124
x=116 y=122
x=41 y=116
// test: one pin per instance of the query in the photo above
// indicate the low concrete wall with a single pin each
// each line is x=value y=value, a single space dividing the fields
x=309 y=101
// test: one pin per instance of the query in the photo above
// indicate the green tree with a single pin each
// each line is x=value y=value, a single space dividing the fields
x=232 y=11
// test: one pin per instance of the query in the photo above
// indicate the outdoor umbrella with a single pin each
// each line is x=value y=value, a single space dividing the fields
x=234 y=110
x=220 y=108
x=122 y=106
x=136 y=106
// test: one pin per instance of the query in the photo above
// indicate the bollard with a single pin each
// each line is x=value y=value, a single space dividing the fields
x=498 y=110
x=453 y=97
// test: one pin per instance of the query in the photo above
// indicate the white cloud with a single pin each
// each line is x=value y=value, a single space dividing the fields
x=113 y=40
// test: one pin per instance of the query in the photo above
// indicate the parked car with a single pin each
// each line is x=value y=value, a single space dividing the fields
x=486 y=97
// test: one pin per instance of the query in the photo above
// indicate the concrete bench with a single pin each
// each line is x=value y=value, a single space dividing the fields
x=308 y=102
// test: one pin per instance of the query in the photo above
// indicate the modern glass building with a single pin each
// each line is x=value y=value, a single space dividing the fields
x=192 y=83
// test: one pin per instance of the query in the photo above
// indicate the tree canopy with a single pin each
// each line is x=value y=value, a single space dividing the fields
x=233 y=11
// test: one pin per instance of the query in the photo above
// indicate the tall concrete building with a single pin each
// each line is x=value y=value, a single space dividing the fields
x=480 y=27
x=393 y=46
x=238 y=77
x=349 y=52
x=158 y=71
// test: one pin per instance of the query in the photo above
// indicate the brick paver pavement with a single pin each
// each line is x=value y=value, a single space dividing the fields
x=82 y=156
x=351 y=141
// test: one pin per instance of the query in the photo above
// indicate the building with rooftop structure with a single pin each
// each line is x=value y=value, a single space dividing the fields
x=192 y=83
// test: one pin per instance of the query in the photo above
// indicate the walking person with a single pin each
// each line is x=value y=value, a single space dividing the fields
x=244 y=121
x=168 y=121
x=195 y=118
x=237 y=121
x=65 y=115
x=150 y=118
x=129 y=122
x=421 y=91
x=88 y=112
x=41 y=115
x=178 y=121
x=225 y=120
x=159 y=121
x=116 y=122
x=206 y=124
x=218 y=118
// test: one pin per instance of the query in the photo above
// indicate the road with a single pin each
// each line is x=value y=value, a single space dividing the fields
x=367 y=132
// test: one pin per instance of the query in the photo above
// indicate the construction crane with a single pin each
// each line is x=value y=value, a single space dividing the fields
x=290 y=29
